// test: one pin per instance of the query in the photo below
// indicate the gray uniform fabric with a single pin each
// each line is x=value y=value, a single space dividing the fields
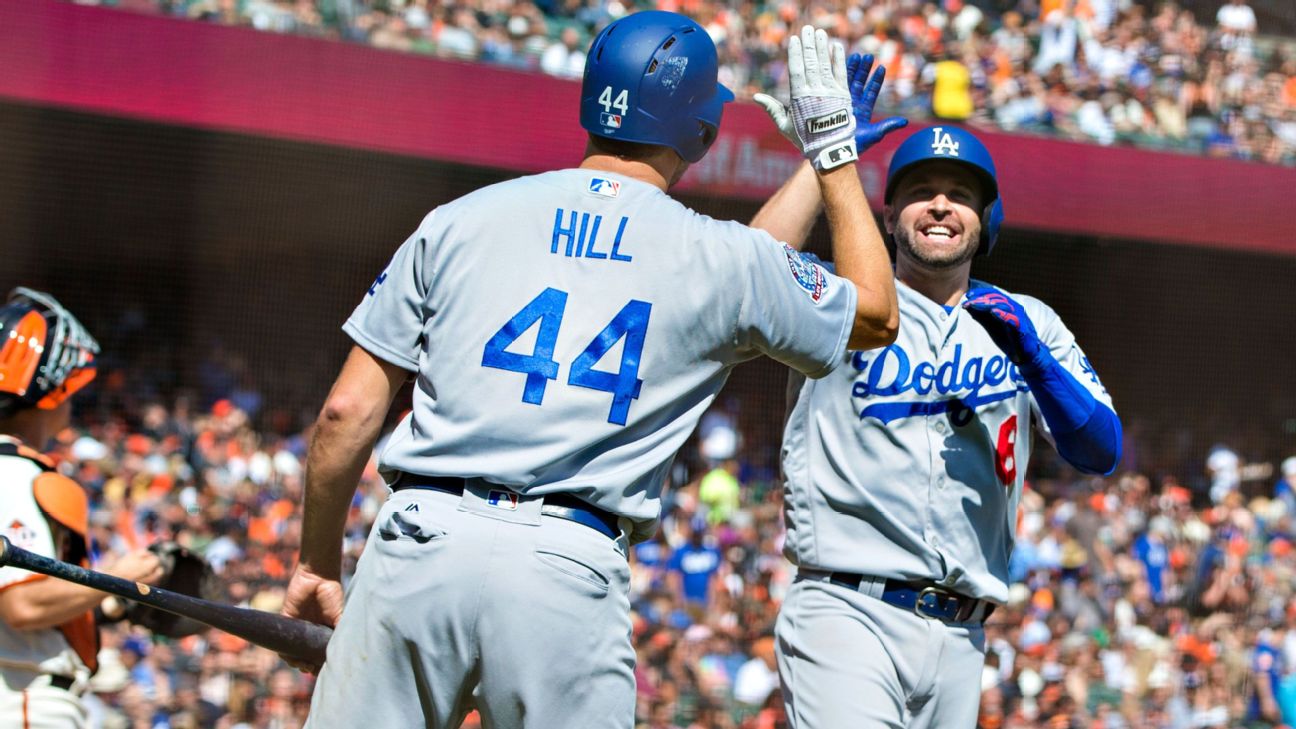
x=719 y=293
x=847 y=660
x=458 y=604
x=907 y=462
x=568 y=330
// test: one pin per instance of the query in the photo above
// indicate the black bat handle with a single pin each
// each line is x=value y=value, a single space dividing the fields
x=297 y=638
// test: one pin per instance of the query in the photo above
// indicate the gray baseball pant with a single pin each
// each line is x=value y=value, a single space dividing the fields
x=457 y=604
x=847 y=660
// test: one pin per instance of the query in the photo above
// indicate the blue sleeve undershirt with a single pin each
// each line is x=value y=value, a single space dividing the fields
x=1086 y=432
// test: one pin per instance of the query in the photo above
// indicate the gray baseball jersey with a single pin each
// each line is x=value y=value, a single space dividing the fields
x=908 y=461
x=568 y=330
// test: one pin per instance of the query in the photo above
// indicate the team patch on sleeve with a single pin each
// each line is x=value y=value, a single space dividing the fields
x=20 y=534
x=809 y=276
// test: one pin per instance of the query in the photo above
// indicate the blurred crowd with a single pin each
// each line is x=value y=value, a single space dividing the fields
x=1137 y=601
x=1103 y=71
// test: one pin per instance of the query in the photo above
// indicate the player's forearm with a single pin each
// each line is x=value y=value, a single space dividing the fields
x=340 y=447
x=790 y=213
x=45 y=603
x=1087 y=433
x=860 y=256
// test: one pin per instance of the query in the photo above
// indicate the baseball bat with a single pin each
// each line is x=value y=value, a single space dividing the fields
x=297 y=638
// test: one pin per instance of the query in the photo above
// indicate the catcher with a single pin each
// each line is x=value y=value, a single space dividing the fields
x=49 y=638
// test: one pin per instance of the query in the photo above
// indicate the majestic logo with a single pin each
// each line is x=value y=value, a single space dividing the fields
x=373 y=288
x=828 y=122
x=808 y=276
x=889 y=373
x=612 y=121
x=503 y=500
x=943 y=143
x=605 y=187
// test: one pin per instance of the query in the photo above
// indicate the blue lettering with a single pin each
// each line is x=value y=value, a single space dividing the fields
x=560 y=232
x=580 y=238
x=924 y=376
x=962 y=380
x=947 y=374
x=593 y=235
x=590 y=252
x=879 y=365
x=616 y=244
x=995 y=370
x=972 y=374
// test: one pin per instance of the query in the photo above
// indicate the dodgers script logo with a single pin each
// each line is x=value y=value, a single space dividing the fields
x=605 y=187
x=943 y=143
x=959 y=384
x=807 y=275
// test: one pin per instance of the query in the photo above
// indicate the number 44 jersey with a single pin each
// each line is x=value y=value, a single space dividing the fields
x=570 y=328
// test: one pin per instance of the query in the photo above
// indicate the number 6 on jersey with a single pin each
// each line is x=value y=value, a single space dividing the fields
x=631 y=323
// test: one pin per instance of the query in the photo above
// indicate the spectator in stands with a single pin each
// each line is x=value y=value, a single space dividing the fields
x=693 y=567
x=1237 y=18
x=565 y=57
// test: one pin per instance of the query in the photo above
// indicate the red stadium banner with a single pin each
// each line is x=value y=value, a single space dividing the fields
x=241 y=80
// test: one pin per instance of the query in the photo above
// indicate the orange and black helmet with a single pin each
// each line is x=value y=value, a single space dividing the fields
x=45 y=353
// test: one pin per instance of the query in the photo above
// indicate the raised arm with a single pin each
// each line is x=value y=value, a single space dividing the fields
x=829 y=121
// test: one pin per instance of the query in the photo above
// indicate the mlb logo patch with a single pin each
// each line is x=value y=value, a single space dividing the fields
x=605 y=187
x=611 y=121
x=506 y=500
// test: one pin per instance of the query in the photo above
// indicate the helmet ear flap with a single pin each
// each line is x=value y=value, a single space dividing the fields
x=991 y=218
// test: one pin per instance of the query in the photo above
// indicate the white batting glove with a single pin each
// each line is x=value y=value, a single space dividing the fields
x=819 y=121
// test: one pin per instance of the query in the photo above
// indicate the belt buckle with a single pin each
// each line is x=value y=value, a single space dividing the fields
x=919 y=607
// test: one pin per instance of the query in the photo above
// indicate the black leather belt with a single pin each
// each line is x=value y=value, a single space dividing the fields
x=925 y=599
x=563 y=506
x=61 y=682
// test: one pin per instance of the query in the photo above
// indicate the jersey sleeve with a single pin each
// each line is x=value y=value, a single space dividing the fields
x=25 y=526
x=793 y=309
x=388 y=322
x=1062 y=345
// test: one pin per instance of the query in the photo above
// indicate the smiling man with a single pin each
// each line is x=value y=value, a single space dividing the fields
x=903 y=470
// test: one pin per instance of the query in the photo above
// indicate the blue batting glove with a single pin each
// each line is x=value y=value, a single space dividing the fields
x=1007 y=324
x=864 y=92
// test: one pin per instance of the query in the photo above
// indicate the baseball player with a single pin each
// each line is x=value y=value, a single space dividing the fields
x=904 y=465
x=48 y=637
x=567 y=331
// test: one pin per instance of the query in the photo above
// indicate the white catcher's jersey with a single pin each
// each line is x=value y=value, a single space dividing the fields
x=568 y=330
x=907 y=461
x=23 y=522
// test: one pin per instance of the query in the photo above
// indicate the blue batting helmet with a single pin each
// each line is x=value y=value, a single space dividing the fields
x=650 y=78
x=955 y=145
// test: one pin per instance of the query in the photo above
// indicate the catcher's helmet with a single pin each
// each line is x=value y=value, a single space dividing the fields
x=650 y=78
x=955 y=145
x=45 y=353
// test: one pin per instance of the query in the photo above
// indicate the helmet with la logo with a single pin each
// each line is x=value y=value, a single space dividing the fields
x=953 y=144
x=46 y=355
x=651 y=78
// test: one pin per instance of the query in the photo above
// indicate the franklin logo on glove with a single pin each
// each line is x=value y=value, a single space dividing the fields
x=829 y=122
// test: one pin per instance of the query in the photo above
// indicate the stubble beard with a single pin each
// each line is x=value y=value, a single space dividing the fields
x=936 y=260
